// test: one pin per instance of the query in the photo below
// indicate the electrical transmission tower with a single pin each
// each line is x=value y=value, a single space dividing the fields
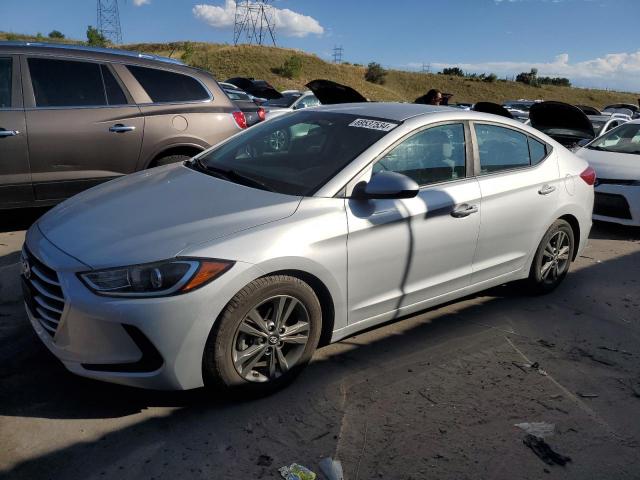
x=109 y=20
x=337 y=54
x=426 y=67
x=254 y=22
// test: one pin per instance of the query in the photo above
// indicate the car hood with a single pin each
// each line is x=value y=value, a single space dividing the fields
x=618 y=166
x=560 y=121
x=155 y=214
x=261 y=90
x=494 y=108
x=331 y=93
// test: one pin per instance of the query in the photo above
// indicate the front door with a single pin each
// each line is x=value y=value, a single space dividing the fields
x=83 y=130
x=402 y=253
x=15 y=179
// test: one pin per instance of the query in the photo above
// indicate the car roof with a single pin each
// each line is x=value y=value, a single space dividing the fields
x=390 y=111
x=45 y=47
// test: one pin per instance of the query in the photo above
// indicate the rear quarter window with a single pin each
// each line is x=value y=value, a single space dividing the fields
x=537 y=151
x=163 y=86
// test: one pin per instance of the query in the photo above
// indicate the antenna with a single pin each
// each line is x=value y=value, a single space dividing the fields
x=254 y=22
x=109 y=20
x=337 y=54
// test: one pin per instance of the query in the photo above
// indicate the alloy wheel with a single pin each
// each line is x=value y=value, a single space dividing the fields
x=555 y=257
x=271 y=338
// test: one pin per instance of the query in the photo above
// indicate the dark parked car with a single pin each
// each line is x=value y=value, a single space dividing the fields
x=252 y=112
x=72 y=117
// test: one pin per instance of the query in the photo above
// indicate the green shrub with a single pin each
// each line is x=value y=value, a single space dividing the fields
x=291 y=68
x=375 y=73
x=57 y=34
x=95 y=38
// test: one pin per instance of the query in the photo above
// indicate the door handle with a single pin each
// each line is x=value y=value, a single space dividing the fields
x=120 y=128
x=546 y=189
x=9 y=133
x=464 y=210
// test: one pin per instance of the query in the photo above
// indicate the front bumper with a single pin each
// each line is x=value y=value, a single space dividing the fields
x=617 y=204
x=153 y=343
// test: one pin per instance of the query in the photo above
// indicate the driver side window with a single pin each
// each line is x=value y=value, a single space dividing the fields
x=433 y=155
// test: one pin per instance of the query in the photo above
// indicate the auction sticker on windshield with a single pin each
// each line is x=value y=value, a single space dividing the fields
x=373 y=124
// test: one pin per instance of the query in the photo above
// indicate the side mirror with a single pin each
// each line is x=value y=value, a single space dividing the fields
x=387 y=185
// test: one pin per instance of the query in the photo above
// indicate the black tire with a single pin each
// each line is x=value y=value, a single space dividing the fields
x=218 y=367
x=544 y=281
x=170 y=159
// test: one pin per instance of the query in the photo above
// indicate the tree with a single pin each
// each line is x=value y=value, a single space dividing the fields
x=292 y=67
x=187 y=52
x=95 y=38
x=375 y=73
x=491 y=78
x=56 y=34
x=453 y=71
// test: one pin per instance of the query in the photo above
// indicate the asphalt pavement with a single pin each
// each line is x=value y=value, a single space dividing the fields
x=436 y=395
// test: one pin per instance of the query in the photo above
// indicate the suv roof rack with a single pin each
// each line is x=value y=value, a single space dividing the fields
x=83 y=48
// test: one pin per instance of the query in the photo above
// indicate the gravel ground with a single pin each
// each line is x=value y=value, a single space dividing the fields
x=435 y=395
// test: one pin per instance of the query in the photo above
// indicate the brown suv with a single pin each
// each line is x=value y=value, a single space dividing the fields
x=72 y=117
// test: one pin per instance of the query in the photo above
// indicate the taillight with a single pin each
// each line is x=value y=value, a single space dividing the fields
x=240 y=119
x=262 y=114
x=589 y=176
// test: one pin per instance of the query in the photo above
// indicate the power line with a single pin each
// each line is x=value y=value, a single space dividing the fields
x=109 y=20
x=254 y=22
x=337 y=54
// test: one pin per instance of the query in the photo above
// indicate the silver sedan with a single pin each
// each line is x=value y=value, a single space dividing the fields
x=231 y=269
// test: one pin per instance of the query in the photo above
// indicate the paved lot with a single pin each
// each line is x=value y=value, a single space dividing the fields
x=434 y=396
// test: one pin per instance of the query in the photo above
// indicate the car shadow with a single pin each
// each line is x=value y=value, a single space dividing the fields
x=20 y=218
x=613 y=231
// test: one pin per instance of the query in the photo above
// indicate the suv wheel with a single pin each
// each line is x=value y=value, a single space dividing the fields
x=264 y=338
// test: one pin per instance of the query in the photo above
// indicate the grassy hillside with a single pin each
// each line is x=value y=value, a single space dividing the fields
x=260 y=62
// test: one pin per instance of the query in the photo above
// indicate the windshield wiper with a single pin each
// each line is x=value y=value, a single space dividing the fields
x=234 y=176
x=592 y=147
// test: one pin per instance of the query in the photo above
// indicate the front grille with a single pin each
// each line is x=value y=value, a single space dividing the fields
x=610 y=205
x=42 y=292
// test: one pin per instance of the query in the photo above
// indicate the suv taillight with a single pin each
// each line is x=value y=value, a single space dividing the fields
x=240 y=119
x=589 y=176
x=262 y=114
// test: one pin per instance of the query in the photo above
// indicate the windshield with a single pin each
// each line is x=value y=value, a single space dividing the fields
x=284 y=102
x=624 y=139
x=295 y=154
x=237 y=95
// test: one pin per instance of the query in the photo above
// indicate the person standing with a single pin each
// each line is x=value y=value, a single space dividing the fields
x=432 y=97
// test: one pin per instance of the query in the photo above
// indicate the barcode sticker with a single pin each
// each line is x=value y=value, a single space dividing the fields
x=373 y=124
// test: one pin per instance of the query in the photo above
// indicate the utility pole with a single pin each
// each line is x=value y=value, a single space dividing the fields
x=109 y=20
x=254 y=22
x=426 y=68
x=337 y=54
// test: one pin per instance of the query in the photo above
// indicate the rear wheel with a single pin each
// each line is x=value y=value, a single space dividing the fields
x=553 y=258
x=266 y=335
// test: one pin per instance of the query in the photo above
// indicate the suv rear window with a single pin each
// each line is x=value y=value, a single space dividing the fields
x=163 y=86
x=64 y=83
x=5 y=82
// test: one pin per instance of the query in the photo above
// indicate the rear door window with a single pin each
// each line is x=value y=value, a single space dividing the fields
x=434 y=155
x=115 y=95
x=168 y=87
x=65 y=83
x=5 y=82
x=501 y=148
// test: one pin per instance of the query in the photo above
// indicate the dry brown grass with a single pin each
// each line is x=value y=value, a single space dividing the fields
x=226 y=61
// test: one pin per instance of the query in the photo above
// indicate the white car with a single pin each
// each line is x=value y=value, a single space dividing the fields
x=291 y=100
x=230 y=269
x=615 y=156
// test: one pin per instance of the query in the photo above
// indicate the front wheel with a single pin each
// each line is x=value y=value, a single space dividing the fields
x=553 y=258
x=265 y=336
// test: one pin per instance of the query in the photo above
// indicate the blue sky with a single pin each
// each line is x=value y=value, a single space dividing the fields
x=593 y=42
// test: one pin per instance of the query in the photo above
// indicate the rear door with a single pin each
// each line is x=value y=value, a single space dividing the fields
x=15 y=178
x=519 y=182
x=83 y=128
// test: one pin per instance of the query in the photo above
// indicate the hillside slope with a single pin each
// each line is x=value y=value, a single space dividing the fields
x=260 y=62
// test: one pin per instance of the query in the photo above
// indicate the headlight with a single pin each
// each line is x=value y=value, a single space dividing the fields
x=171 y=277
